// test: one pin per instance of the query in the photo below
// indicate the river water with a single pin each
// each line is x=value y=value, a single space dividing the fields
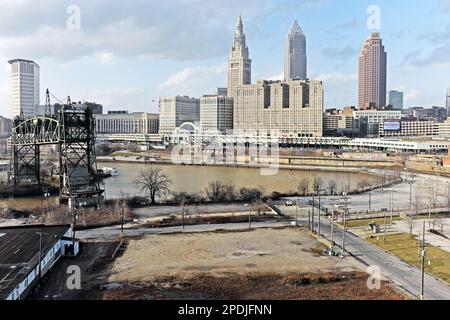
x=194 y=179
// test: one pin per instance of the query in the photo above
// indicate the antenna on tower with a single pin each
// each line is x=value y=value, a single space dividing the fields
x=47 y=109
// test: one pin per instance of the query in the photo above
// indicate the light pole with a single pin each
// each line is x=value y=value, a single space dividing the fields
x=370 y=198
x=40 y=253
x=422 y=286
x=410 y=193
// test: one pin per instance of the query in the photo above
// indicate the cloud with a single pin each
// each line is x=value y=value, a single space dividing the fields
x=193 y=80
x=337 y=77
x=119 y=98
x=342 y=55
x=277 y=77
x=179 y=29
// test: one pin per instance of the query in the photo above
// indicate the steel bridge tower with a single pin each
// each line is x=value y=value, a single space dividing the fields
x=73 y=131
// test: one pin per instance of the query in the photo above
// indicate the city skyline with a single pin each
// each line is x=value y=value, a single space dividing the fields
x=93 y=67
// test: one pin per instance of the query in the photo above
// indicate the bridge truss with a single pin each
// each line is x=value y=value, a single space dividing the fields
x=73 y=131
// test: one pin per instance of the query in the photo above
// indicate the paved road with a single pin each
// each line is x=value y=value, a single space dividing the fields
x=111 y=233
x=404 y=275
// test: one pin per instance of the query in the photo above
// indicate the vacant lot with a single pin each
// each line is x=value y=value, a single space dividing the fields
x=266 y=250
x=405 y=247
x=262 y=264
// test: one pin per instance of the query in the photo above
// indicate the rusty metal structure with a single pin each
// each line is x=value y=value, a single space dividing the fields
x=73 y=130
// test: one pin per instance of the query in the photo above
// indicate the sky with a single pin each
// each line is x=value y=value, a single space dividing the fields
x=126 y=54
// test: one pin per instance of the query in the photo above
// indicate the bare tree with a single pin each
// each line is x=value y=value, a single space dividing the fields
x=318 y=183
x=303 y=186
x=154 y=183
x=216 y=191
x=332 y=186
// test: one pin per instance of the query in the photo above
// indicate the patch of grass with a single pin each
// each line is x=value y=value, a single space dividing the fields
x=125 y=154
x=365 y=222
x=404 y=246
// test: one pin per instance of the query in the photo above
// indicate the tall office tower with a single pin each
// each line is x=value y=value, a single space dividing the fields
x=239 y=64
x=372 y=74
x=396 y=99
x=293 y=108
x=174 y=111
x=295 y=60
x=25 y=87
x=216 y=113
x=447 y=103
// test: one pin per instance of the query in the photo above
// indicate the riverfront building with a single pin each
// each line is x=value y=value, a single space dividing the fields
x=5 y=127
x=216 y=113
x=292 y=108
x=122 y=122
x=374 y=117
x=25 y=87
x=28 y=253
x=174 y=111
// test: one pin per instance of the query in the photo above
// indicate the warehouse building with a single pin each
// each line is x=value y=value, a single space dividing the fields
x=28 y=253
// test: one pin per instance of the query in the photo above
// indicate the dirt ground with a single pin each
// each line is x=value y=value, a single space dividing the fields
x=293 y=286
x=263 y=264
x=263 y=250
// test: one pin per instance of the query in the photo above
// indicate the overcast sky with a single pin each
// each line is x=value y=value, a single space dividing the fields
x=128 y=53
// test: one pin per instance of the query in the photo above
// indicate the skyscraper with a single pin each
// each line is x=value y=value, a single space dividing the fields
x=396 y=99
x=240 y=64
x=25 y=87
x=372 y=73
x=295 y=61
x=447 y=103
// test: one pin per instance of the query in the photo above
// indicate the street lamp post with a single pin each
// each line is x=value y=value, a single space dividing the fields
x=370 y=198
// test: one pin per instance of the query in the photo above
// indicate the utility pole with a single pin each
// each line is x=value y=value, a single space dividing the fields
x=313 y=209
x=385 y=227
x=309 y=220
x=448 y=196
x=422 y=287
x=332 y=222
x=122 y=218
x=370 y=198
x=318 y=231
x=392 y=205
x=410 y=193
x=344 y=231
x=296 y=212
x=40 y=253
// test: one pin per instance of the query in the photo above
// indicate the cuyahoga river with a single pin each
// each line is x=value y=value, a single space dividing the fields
x=194 y=179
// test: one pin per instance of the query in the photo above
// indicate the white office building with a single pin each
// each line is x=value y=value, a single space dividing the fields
x=216 y=113
x=25 y=87
x=174 y=111
x=122 y=122
x=374 y=117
